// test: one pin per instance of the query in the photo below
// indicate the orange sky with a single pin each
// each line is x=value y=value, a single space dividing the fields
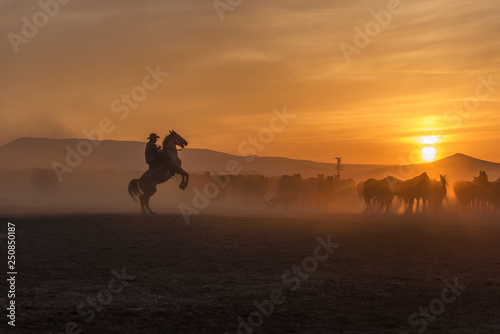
x=226 y=77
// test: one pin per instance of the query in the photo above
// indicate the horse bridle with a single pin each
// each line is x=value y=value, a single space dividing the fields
x=174 y=149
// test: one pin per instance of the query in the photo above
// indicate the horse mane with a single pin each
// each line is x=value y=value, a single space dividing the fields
x=167 y=138
x=422 y=177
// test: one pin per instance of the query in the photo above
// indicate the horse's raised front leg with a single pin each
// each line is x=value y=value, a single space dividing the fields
x=185 y=179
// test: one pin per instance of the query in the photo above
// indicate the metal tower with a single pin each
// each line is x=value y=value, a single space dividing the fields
x=339 y=167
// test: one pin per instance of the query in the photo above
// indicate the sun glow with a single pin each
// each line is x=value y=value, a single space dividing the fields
x=429 y=140
x=429 y=150
x=429 y=153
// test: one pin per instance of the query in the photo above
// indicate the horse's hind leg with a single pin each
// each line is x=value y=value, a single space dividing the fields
x=409 y=209
x=147 y=203
x=368 y=204
x=144 y=200
x=151 y=212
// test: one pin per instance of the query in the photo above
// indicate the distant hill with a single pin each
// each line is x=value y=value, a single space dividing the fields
x=29 y=153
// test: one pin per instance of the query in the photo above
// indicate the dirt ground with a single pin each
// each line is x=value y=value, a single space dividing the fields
x=208 y=276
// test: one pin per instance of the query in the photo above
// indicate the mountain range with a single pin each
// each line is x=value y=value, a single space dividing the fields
x=29 y=153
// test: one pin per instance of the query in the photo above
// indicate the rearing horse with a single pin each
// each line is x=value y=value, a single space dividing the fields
x=145 y=187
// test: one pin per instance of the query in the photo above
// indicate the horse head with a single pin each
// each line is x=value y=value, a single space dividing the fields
x=176 y=138
x=425 y=177
x=483 y=176
x=443 y=179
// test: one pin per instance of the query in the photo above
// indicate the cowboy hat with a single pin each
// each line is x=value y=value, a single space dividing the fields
x=153 y=135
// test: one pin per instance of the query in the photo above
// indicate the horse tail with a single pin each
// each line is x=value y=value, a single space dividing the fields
x=133 y=189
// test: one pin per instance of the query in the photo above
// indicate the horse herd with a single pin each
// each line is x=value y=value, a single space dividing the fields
x=479 y=194
x=410 y=192
x=320 y=192
x=387 y=194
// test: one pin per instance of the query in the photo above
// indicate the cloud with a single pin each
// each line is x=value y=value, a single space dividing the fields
x=226 y=77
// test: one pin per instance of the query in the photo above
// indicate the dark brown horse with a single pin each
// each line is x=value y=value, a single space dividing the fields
x=380 y=192
x=289 y=185
x=466 y=193
x=145 y=187
x=413 y=189
x=437 y=193
x=478 y=194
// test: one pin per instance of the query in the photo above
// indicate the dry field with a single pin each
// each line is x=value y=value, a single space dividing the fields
x=208 y=276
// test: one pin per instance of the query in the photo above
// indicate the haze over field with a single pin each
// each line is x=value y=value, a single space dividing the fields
x=97 y=182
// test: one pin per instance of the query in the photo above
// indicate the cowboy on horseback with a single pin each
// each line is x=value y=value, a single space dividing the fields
x=164 y=163
x=156 y=159
x=153 y=157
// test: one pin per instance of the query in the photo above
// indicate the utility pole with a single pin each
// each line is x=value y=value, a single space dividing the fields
x=338 y=168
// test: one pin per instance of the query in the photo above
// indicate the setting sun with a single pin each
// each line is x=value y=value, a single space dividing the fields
x=429 y=153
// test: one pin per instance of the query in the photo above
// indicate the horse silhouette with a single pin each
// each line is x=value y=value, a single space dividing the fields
x=324 y=191
x=145 y=187
x=466 y=193
x=437 y=193
x=282 y=200
x=289 y=185
x=254 y=187
x=380 y=192
x=478 y=193
x=484 y=190
x=309 y=191
x=414 y=189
